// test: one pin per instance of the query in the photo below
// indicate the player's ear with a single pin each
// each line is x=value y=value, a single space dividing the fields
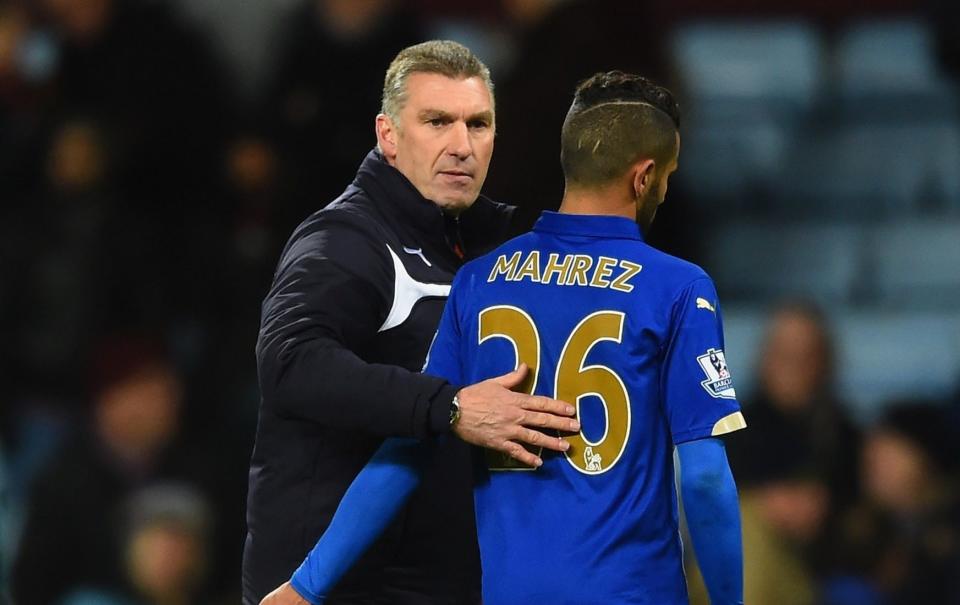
x=387 y=137
x=643 y=176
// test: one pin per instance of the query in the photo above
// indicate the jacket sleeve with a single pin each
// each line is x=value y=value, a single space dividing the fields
x=330 y=295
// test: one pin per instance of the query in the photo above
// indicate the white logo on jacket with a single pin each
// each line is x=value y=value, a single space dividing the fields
x=407 y=292
x=417 y=252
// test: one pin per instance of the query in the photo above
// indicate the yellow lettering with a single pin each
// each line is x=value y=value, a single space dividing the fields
x=630 y=269
x=602 y=272
x=578 y=272
x=530 y=268
x=505 y=267
x=556 y=268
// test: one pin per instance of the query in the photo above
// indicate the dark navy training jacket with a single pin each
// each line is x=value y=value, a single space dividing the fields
x=345 y=329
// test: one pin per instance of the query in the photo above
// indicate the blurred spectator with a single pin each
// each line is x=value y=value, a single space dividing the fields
x=902 y=542
x=796 y=466
x=69 y=539
x=153 y=82
x=138 y=114
x=796 y=411
x=784 y=515
x=259 y=224
x=256 y=226
x=164 y=549
x=27 y=64
x=70 y=239
x=68 y=263
x=783 y=519
x=321 y=98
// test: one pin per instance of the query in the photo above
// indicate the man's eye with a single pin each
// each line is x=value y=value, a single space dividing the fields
x=436 y=122
x=478 y=124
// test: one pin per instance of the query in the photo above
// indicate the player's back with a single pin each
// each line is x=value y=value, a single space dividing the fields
x=610 y=324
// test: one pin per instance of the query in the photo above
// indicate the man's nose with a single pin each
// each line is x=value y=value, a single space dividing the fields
x=459 y=143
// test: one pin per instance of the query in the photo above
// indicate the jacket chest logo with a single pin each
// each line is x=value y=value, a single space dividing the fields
x=417 y=252
x=407 y=292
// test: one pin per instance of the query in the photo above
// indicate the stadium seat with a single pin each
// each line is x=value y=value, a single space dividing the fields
x=887 y=71
x=755 y=261
x=889 y=355
x=775 y=62
x=873 y=171
x=916 y=264
x=883 y=56
x=749 y=86
x=735 y=159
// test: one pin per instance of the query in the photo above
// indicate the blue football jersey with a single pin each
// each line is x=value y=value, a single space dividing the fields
x=633 y=338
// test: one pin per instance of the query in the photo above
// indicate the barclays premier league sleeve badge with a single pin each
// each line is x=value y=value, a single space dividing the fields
x=718 y=384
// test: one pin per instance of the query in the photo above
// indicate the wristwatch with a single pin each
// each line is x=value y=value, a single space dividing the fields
x=455 y=409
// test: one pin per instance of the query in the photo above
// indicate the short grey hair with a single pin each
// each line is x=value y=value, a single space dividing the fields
x=443 y=57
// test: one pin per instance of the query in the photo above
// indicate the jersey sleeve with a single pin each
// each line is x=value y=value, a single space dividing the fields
x=698 y=394
x=444 y=357
x=370 y=503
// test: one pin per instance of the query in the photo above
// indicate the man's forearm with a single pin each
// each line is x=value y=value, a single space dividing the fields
x=322 y=381
x=368 y=506
x=713 y=518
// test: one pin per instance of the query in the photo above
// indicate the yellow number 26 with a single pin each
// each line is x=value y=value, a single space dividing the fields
x=573 y=381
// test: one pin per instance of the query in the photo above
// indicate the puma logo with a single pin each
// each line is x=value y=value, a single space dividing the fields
x=418 y=252
x=407 y=292
x=703 y=303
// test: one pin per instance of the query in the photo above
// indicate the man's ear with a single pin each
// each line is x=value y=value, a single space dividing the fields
x=643 y=172
x=387 y=137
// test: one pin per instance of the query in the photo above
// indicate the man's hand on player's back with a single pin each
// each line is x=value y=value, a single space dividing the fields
x=494 y=417
x=284 y=595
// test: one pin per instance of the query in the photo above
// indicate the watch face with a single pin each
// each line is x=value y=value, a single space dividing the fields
x=454 y=410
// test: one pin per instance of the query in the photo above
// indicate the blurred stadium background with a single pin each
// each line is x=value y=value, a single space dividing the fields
x=155 y=155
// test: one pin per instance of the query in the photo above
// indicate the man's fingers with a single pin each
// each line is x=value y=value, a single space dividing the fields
x=512 y=379
x=539 y=439
x=549 y=421
x=518 y=452
x=284 y=595
x=539 y=403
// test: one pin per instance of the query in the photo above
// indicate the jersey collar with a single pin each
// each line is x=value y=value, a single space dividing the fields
x=588 y=225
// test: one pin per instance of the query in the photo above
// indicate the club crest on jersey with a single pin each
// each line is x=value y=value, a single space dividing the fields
x=718 y=384
x=592 y=460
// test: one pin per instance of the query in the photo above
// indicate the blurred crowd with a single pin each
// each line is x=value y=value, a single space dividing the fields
x=147 y=188
x=835 y=513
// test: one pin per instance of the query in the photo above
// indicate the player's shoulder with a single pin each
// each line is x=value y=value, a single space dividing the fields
x=679 y=268
x=675 y=273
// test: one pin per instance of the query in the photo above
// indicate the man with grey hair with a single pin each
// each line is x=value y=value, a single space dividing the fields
x=345 y=328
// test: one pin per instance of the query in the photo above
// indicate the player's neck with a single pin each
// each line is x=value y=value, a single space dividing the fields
x=603 y=202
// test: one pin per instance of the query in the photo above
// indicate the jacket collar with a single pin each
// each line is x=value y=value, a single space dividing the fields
x=396 y=196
